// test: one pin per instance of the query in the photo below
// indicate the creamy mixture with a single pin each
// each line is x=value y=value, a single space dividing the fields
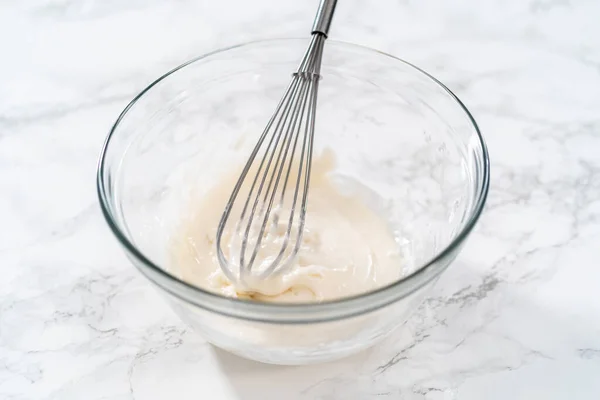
x=347 y=248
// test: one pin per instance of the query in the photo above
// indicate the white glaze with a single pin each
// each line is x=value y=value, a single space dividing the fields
x=347 y=248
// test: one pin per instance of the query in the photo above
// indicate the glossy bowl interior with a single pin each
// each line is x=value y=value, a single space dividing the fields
x=405 y=137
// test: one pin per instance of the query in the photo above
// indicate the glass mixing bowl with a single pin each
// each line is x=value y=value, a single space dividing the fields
x=393 y=128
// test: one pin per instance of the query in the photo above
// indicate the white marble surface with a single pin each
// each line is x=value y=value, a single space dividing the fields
x=516 y=317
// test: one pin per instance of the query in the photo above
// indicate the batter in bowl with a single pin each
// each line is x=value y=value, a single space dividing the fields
x=347 y=247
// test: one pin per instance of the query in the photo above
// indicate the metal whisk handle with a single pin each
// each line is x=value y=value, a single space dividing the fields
x=324 y=17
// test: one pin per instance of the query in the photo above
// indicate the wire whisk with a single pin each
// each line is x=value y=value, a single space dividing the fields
x=267 y=236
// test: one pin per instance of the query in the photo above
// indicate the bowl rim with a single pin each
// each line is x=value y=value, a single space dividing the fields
x=292 y=313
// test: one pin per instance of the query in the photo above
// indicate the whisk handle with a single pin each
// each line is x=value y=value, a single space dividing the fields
x=324 y=17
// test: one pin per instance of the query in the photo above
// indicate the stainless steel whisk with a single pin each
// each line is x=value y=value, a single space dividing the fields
x=281 y=176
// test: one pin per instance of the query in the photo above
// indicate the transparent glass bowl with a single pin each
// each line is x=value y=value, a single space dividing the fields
x=392 y=127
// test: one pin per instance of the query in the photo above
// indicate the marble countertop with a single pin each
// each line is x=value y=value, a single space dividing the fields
x=516 y=317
